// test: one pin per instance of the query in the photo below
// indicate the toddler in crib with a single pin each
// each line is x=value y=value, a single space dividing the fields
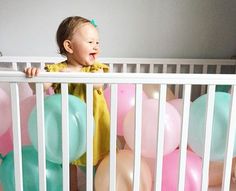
x=78 y=40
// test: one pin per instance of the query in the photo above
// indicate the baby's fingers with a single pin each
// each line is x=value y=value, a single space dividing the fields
x=31 y=72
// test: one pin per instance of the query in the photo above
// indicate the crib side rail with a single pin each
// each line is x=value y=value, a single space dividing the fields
x=139 y=65
x=134 y=65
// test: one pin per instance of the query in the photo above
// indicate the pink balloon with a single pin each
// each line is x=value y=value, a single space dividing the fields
x=26 y=106
x=1 y=189
x=6 y=144
x=5 y=111
x=171 y=169
x=24 y=90
x=126 y=100
x=178 y=104
x=149 y=128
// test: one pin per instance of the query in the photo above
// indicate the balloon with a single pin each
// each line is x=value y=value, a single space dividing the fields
x=178 y=104
x=26 y=107
x=53 y=131
x=223 y=88
x=152 y=91
x=5 y=111
x=216 y=169
x=149 y=128
x=124 y=173
x=193 y=173
x=126 y=99
x=6 y=88
x=1 y=188
x=219 y=128
x=6 y=144
x=24 y=90
x=30 y=172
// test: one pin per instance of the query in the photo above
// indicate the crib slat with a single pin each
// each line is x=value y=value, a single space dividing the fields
x=177 y=86
x=151 y=68
x=164 y=70
x=184 y=136
x=137 y=139
x=90 y=125
x=160 y=136
x=28 y=64
x=65 y=136
x=14 y=65
x=16 y=136
x=230 y=143
x=124 y=68
x=137 y=68
x=111 y=67
x=204 y=71
x=113 y=109
x=41 y=136
x=208 y=133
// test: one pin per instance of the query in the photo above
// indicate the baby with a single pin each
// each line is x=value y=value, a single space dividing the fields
x=78 y=40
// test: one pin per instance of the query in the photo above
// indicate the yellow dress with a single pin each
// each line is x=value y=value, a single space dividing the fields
x=101 y=141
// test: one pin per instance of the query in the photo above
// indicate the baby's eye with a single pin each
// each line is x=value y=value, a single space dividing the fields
x=97 y=42
x=90 y=42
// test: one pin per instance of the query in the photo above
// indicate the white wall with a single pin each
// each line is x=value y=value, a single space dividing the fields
x=128 y=28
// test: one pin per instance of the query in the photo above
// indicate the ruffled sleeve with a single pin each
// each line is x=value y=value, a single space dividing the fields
x=55 y=67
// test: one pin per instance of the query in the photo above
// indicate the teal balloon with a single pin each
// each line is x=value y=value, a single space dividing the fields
x=53 y=128
x=219 y=129
x=30 y=172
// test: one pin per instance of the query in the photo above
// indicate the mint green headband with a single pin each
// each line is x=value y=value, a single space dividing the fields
x=93 y=22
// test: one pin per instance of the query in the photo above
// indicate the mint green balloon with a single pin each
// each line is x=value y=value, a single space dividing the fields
x=30 y=172
x=219 y=128
x=53 y=128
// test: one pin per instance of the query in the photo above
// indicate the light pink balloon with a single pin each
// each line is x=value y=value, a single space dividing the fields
x=24 y=90
x=6 y=144
x=178 y=104
x=171 y=169
x=5 y=111
x=26 y=106
x=126 y=100
x=150 y=126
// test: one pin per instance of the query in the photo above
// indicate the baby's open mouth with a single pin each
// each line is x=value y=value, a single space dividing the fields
x=92 y=56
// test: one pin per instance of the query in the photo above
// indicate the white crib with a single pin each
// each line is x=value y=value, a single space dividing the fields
x=187 y=78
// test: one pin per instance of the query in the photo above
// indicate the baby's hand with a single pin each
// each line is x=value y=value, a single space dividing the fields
x=31 y=72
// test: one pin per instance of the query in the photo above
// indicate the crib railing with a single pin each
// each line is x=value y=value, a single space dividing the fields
x=139 y=79
x=139 y=65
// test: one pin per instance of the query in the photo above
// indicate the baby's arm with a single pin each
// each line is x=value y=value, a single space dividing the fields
x=98 y=86
x=32 y=72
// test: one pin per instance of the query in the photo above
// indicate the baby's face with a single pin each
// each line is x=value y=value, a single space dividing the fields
x=85 y=44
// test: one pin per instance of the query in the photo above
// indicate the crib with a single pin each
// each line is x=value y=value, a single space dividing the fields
x=186 y=78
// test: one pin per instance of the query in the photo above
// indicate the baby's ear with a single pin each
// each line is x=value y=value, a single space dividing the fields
x=67 y=46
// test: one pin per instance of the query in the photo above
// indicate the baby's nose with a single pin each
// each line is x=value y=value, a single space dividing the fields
x=95 y=48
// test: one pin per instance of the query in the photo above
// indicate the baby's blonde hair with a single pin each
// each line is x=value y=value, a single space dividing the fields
x=66 y=29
